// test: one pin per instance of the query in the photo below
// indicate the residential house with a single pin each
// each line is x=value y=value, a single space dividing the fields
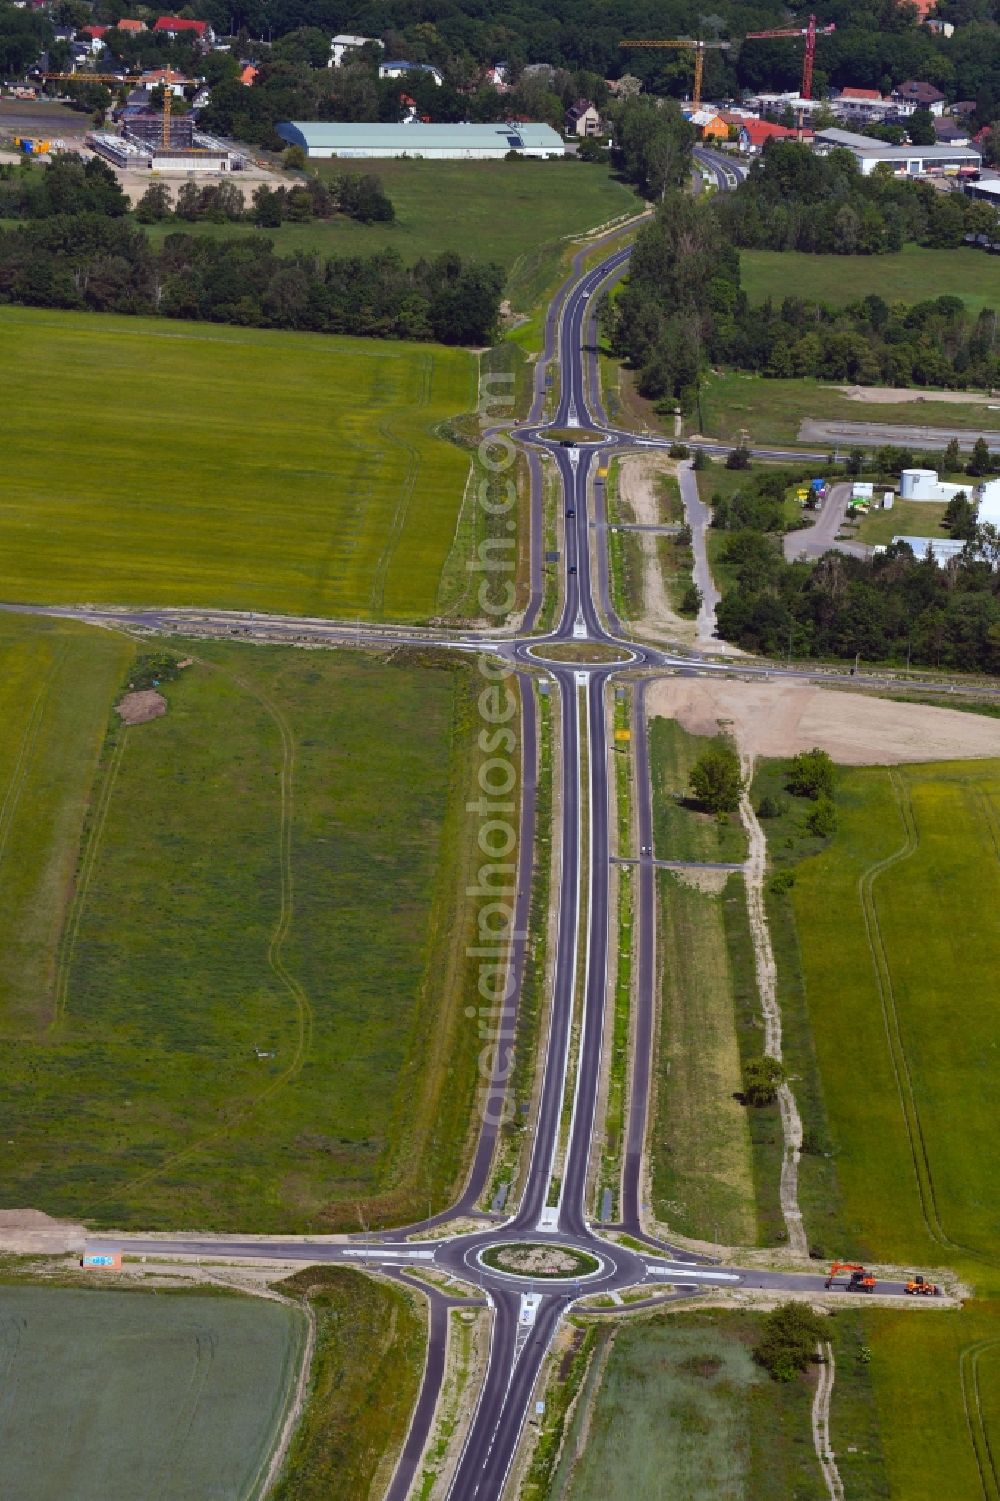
x=168 y=78
x=401 y=69
x=583 y=119
x=174 y=26
x=755 y=134
x=709 y=124
x=130 y=26
x=948 y=132
x=248 y=75
x=343 y=43
x=915 y=94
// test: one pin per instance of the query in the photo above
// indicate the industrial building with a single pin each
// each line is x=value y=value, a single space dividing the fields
x=913 y=161
x=434 y=142
x=923 y=484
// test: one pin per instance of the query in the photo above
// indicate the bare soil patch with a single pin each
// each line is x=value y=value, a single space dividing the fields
x=781 y=719
x=141 y=707
x=25 y=1231
x=890 y=395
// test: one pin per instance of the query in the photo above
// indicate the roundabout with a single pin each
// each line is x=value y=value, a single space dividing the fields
x=541 y=1260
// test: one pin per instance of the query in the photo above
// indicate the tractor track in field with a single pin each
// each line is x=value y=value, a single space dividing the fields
x=969 y=1376
x=85 y=875
x=890 y=1016
x=821 y=1421
x=279 y=933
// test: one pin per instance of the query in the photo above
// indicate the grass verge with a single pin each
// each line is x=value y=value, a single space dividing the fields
x=681 y=831
x=367 y=1368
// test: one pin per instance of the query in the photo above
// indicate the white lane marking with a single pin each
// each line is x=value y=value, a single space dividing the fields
x=673 y=1266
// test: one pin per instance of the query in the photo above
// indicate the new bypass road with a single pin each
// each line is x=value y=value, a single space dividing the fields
x=554 y=1204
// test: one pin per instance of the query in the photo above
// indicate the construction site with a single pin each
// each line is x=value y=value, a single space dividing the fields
x=154 y=137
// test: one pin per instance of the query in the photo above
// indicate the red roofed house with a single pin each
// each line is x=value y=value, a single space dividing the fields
x=177 y=26
x=248 y=75
x=128 y=24
x=859 y=94
x=755 y=134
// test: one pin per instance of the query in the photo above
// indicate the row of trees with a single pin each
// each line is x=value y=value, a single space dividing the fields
x=89 y=261
x=356 y=196
x=795 y=200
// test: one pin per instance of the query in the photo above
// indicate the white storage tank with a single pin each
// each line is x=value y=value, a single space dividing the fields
x=918 y=484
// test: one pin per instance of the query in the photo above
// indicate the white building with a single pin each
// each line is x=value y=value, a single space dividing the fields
x=988 y=496
x=401 y=69
x=923 y=484
x=343 y=43
x=909 y=161
x=434 y=142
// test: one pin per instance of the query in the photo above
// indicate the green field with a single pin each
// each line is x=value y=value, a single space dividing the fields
x=773 y=410
x=936 y=1388
x=370 y=1342
x=111 y=1396
x=242 y=1012
x=914 y=275
x=681 y=831
x=682 y=1411
x=514 y=213
x=900 y=951
x=207 y=465
x=701 y=1164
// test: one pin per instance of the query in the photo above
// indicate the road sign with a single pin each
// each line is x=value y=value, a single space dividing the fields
x=108 y=1261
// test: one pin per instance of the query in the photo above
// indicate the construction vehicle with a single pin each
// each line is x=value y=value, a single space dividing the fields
x=919 y=1287
x=810 y=32
x=689 y=44
x=859 y=1281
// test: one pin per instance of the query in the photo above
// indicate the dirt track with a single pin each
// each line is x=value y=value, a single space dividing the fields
x=779 y=719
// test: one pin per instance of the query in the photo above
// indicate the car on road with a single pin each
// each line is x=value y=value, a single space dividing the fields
x=571 y=512
x=572 y=568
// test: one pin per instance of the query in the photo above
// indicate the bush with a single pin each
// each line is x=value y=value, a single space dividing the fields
x=787 y=1341
x=690 y=600
x=716 y=780
x=738 y=458
x=151 y=670
x=810 y=774
x=294 y=158
x=700 y=460
x=679 y=451
x=771 y=806
x=761 y=1078
x=822 y=820
x=781 y=881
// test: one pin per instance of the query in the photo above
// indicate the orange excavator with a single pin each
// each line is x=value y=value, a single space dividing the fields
x=921 y=1288
x=859 y=1281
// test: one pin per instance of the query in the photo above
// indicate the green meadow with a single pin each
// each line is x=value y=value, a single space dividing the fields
x=913 y=275
x=900 y=952
x=159 y=463
x=243 y=936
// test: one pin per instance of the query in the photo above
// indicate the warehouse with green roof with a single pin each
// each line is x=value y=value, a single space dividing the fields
x=322 y=139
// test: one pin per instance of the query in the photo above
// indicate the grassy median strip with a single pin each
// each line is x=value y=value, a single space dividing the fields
x=367 y=1367
x=617 y=1092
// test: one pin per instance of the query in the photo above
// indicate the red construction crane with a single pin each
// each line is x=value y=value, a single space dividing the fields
x=810 y=32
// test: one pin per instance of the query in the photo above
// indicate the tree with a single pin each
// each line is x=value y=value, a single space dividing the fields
x=960 y=517
x=810 y=774
x=716 y=779
x=952 y=459
x=690 y=600
x=739 y=457
x=154 y=205
x=980 y=463
x=761 y=1079
x=920 y=128
x=293 y=158
x=822 y=819
x=787 y=1341
x=701 y=460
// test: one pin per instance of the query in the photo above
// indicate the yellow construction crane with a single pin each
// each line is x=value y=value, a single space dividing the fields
x=688 y=44
x=128 y=78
